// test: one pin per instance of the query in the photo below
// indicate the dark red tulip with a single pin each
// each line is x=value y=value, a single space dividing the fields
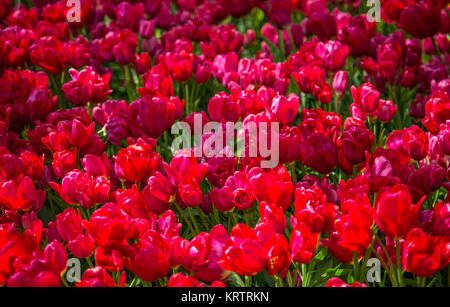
x=355 y=142
x=416 y=142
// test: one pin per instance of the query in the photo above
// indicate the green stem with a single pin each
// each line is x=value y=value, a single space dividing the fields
x=185 y=218
x=248 y=281
x=399 y=263
x=197 y=230
x=391 y=264
x=336 y=103
x=186 y=97
x=385 y=265
x=204 y=219
x=291 y=38
x=129 y=83
x=247 y=222
x=233 y=216
x=356 y=266
x=83 y=214
x=281 y=44
x=65 y=282
x=216 y=215
x=133 y=282
x=304 y=275
x=89 y=108
x=293 y=174
x=88 y=260
x=57 y=87
x=364 y=262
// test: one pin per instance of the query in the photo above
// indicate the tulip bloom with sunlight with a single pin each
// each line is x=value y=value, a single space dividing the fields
x=96 y=190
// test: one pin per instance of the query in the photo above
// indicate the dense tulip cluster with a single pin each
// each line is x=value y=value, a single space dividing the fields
x=90 y=93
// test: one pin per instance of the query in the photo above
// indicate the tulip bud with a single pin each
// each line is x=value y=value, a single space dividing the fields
x=340 y=82
x=386 y=110
x=146 y=28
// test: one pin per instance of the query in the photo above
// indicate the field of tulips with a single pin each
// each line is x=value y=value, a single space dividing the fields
x=94 y=192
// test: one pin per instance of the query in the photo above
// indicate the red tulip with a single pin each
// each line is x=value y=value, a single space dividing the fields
x=236 y=8
x=356 y=35
x=340 y=82
x=68 y=224
x=70 y=229
x=335 y=282
x=395 y=214
x=180 y=65
x=34 y=165
x=108 y=224
x=437 y=109
x=39 y=104
x=312 y=209
x=78 y=188
x=136 y=162
x=321 y=154
x=156 y=84
x=42 y=269
x=152 y=258
x=416 y=142
x=421 y=254
x=421 y=19
x=99 y=277
x=96 y=165
x=204 y=251
x=203 y=73
x=225 y=38
x=179 y=281
x=441 y=218
x=303 y=243
x=243 y=253
x=155 y=115
x=333 y=53
x=278 y=256
x=355 y=227
x=274 y=187
x=355 y=142
x=64 y=162
x=128 y=15
x=279 y=12
x=274 y=214
x=48 y=53
x=386 y=110
x=222 y=108
x=285 y=109
x=366 y=97
x=186 y=174
x=87 y=86
x=146 y=28
x=123 y=53
x=220 y=169
x=21 y=194
x=322 y=24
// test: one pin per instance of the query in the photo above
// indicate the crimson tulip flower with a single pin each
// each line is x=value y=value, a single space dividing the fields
x=395 y=213
x=203 y=253
x=421 y=254
x=303 y=243
x=243 y=253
